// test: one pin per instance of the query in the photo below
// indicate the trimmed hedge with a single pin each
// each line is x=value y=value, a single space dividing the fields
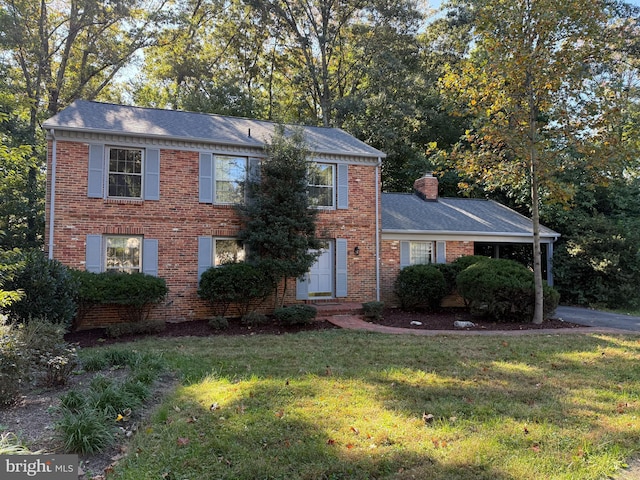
x=134 y=293
x=235 y=283
x=420 y=286
x=503 y=290
x=295 y=314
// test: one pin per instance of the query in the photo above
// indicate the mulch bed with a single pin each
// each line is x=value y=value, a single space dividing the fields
x=444 y=320
x=441 y=320
x=195 y=328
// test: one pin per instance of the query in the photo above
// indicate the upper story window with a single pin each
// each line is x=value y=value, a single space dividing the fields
x=125 y=172
x=230 y=179
x=322 y=185
x=123 y=254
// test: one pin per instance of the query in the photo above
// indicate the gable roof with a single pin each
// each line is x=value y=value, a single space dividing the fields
x=408 y=213
x=106 y=118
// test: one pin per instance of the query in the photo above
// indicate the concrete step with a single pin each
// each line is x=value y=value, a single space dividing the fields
x=330 y=309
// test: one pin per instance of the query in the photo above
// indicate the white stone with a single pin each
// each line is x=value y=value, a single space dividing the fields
x=460 y=324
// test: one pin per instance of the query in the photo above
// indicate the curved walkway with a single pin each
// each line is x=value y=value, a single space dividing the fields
x=594 y=321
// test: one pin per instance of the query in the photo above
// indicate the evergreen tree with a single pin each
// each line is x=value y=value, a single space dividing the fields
x=279 y=223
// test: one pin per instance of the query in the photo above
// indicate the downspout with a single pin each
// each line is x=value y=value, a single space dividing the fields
x=52 y=200
x=377 y=183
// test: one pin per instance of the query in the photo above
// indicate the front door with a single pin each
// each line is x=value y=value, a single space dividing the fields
x=321 y=274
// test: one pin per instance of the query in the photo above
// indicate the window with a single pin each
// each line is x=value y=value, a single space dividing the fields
x=125 y=172
x=123 y=254
x=228 y=251
x=420 y=253
x=230 y=178
x=321 y=185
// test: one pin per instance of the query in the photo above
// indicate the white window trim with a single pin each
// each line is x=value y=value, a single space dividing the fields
x=107 y=157
x=105 y=246
x=215 y=177
x=334 y=187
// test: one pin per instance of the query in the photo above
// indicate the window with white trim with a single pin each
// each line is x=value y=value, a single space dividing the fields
x=123 y=253
x=322 y=185
x=421 y=253
x=125 y=172
x=228 y=250
x=230 y=178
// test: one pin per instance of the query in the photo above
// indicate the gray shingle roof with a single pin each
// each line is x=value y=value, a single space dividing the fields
x=408 y=213
x=98 y=117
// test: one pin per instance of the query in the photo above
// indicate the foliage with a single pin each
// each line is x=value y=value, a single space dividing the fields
x=420 y=286
x=295 y=314
x=535 y=87
x=13 y=362
x=88 y=418
x=134 y=293
x=373 y=310
x=241 y=284
x=219 y=323
x=503 y=290
x=85 y=431
x=11 y=445
x=254 y=319
x=598 y=263
x=279 y=224
x=51 y=358
x=49 y=289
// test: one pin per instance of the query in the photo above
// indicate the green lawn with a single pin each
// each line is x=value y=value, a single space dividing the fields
x=350 y=405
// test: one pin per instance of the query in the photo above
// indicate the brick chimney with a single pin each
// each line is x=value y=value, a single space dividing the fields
x=427 y=187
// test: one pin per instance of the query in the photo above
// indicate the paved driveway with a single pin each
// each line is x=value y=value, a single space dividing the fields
x=595 y=318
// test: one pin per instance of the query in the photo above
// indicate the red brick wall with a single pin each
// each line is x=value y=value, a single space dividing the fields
x=177 y=220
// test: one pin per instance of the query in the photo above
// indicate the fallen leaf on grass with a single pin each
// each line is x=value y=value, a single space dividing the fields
x=331 y=441
x=355 y=430
x=182 y=441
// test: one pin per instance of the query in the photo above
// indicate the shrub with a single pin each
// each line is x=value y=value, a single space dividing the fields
x=49 y=291
x=295 y=314
x=461 y=263
x=89 y=293
x=420 y=286
x=373 y=310
x=253 y=319
x=51 y=358
x=219 y=323
x=12 y=364
x=235 y=283
x=135 y=293
x=503 y=290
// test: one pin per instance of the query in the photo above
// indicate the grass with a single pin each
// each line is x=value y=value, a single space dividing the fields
x=352 y=405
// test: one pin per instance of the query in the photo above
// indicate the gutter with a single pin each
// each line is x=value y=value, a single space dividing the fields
x=52 y=200
x=553 y=236
x=377 y=183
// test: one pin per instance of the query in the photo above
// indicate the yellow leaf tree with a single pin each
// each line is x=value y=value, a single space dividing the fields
x=531 y=85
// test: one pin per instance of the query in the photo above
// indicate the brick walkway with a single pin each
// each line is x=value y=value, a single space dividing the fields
x=355 y=322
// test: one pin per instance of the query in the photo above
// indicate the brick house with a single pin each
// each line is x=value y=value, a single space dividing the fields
x=424 y=228
x=138 y=189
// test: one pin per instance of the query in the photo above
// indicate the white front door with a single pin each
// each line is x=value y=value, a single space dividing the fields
x=321 y=274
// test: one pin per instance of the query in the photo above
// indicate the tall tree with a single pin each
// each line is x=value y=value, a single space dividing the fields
x=324 y=44
x=56 y=52
x=279 y=222
x=529 y=85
